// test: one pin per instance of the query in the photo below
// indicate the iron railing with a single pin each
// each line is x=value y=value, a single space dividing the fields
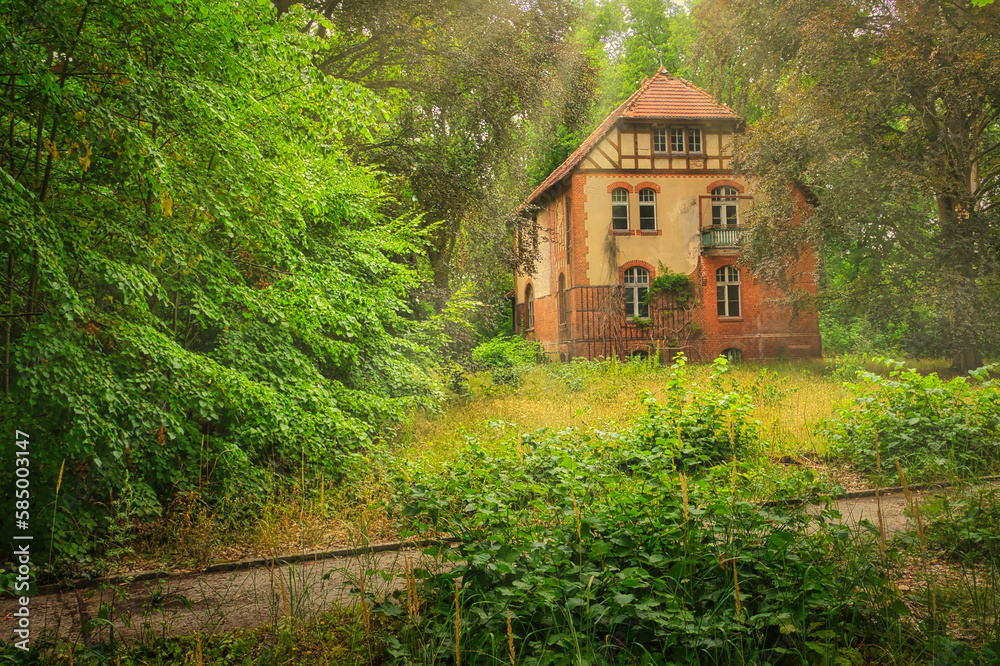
x=721 y=237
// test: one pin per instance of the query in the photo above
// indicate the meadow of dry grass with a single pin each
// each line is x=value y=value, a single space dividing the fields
x=790 y=399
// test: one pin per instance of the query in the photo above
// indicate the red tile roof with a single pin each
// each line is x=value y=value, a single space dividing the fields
x=666 y=96
x=660 y=96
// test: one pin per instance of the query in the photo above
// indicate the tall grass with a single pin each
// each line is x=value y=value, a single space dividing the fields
x=606 y=396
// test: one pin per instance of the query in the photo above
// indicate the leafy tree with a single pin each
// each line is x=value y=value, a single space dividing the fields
x=464 y=80
x=631 y=39
x=626 y=42
x=197 y=282
x=888 y=112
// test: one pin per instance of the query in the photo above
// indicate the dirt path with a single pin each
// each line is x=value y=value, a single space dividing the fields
x=896 y=514
x=895 y=511
x=222 y=601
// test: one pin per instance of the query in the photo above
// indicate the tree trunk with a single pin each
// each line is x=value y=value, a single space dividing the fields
x=964 y=308
x=440 y=254
x=441 y=270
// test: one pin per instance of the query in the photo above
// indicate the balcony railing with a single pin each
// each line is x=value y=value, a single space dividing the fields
x=720 y=237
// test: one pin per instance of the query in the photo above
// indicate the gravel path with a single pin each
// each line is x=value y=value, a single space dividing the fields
x=213 y=602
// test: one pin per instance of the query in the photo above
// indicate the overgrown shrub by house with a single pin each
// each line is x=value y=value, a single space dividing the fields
x=932 y=427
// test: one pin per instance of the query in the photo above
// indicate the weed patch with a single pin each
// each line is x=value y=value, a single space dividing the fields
x=589 y=556
x=933 y=428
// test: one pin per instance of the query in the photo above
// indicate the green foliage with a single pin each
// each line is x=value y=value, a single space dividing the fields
x=506 y=357
x=871 y=314
x=966 y=525
x=679 y=285
x=467 y=81
x=631 y=40
x=201 y=284
x=848 y=367
x=932 y=427
x=948 y=652
x=594 y=557
x=699 y=426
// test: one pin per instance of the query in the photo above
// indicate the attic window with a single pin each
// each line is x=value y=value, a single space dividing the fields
x=677 y=139
x=694 y=139
x=685 y=139
x=660 y=140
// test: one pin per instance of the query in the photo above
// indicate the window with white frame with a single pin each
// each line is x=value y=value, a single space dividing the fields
x=529 y=308
x=685 y=139
x=636 y=281
x=677 y=139
x=647 y=208
x=659 y=140
x=725 y=212
x=619 y=208
x=694 y=139
x=727 y=289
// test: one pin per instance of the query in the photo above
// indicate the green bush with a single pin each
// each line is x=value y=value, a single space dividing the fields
x=507 y=357
x=932 y=427
x=204 y=286
x=967 y=525
x=591 y=560
x=699 y=426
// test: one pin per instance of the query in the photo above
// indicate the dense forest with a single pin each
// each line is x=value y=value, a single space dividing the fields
x=248 y=238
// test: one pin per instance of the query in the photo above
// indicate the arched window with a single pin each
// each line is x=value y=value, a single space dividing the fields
x=647 y=208
x=725 y=212
x=569 y=208
x=733 y=354
x=619 y=208
x=636 y=281
x=727 y=289
x=529 y=308
x=562 y=299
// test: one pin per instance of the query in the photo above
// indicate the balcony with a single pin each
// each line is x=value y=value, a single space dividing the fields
x=721 y=238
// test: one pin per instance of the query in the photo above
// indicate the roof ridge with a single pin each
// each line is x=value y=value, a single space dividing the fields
x=634 y=97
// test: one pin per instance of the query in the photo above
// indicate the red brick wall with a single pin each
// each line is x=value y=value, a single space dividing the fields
x=766 y=327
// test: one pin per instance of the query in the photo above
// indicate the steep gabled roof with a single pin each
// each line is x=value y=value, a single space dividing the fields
x=661 y=96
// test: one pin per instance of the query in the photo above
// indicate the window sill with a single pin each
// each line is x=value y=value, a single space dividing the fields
x=730 y=318
x=635 y=232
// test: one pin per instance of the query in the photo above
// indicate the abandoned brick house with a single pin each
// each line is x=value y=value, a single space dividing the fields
x=652 y=189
